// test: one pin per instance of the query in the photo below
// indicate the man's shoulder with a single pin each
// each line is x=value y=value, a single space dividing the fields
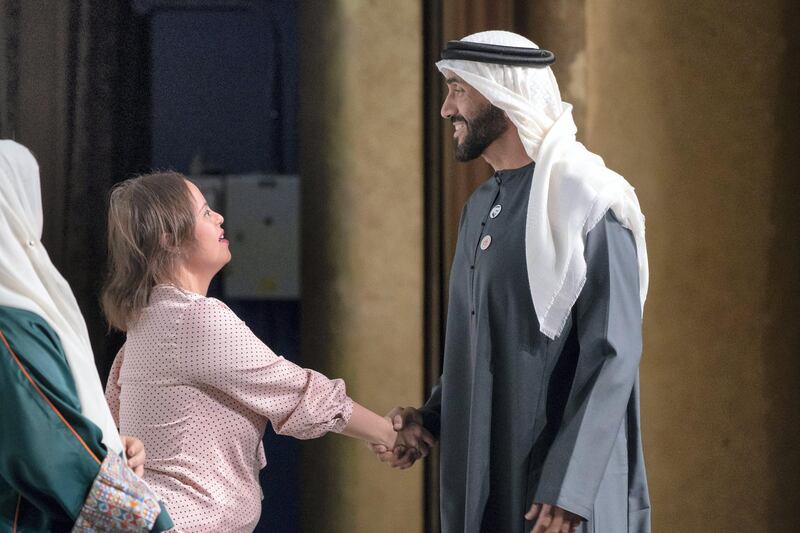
x=609 y=237
x=609 y=223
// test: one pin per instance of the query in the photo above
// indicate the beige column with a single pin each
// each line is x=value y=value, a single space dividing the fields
x=688 y=99
x=361 y=170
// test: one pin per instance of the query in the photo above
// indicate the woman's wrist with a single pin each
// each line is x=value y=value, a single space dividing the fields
x=370 y=427
x=390 y=435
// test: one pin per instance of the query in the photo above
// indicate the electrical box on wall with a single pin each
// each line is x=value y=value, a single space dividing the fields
x=262 y=224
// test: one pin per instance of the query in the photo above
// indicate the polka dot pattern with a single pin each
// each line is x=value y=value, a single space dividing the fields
x=198 y=387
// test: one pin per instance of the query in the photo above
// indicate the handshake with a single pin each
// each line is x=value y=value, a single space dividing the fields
x=413 y=440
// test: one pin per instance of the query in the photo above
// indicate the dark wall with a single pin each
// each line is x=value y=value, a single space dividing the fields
x=223 y=87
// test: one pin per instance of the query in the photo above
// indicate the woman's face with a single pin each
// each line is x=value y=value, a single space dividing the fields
x=209 y=252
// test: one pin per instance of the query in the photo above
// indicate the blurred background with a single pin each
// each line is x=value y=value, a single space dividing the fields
x=314 y=127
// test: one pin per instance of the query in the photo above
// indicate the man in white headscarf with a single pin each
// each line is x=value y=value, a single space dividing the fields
x=537 y=407
x=62 y=465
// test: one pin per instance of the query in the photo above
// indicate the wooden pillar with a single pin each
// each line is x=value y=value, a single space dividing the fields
x=690 y=101
x=361 y=170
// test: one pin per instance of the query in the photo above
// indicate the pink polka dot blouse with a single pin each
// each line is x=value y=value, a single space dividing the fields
x=198 y=387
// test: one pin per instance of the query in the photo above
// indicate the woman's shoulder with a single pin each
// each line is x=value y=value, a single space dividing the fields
x=15 y=323
x=189 y=311
x=32 y=340
x=15 y=315
x=182 y=300
x=208 y=314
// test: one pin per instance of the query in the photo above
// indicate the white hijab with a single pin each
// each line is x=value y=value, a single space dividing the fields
x=572 y=188
x=28 y=280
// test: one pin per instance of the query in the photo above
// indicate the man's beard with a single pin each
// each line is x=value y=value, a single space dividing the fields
x=482 y=131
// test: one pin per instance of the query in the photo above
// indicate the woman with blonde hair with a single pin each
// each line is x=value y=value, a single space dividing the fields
x=62 y=462
x=192 y=381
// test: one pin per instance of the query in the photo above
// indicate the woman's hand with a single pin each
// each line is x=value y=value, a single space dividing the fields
x=134 y=450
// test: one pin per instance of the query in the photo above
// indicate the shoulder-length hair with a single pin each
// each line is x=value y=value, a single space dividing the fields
x=150 y=218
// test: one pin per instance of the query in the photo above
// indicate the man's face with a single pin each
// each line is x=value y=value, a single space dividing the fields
x=476 y=122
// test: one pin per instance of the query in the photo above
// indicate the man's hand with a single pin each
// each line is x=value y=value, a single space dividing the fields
x=134 y=450
x=413 y=440
x=552 y=519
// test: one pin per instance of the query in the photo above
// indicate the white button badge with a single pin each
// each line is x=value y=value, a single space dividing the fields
x=486 y=242
x=495 y=211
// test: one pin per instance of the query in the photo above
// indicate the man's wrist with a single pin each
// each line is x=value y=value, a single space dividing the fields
x=430 y=421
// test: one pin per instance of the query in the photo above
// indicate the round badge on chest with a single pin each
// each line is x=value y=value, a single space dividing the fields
x=486 y=242
x=495 y=211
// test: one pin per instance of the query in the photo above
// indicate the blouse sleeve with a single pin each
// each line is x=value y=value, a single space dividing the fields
x=223 y=353
x=112 y=386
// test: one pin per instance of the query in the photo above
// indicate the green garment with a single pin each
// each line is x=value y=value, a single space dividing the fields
x=45 y=470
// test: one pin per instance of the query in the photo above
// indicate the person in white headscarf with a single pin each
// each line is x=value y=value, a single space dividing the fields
x=62 y=464
x=537 y=409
